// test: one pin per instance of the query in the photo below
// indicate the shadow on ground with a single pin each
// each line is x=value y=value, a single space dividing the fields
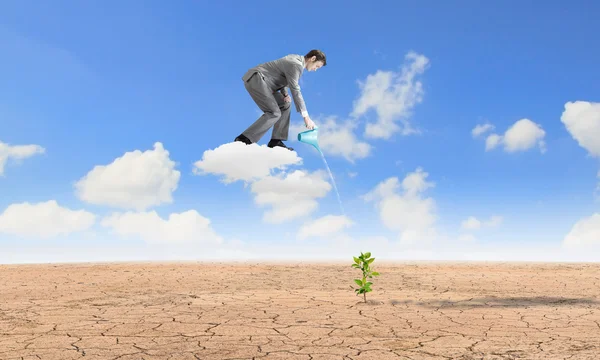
x=501 y=301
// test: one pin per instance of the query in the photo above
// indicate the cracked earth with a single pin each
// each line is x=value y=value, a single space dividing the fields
x=299 y=311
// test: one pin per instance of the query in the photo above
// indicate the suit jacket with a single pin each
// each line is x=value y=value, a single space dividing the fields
x=278 y=74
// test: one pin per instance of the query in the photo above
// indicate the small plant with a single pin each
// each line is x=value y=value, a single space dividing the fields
x=362 y=262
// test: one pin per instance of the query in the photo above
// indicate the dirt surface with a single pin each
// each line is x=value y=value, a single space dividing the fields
x=299 y=311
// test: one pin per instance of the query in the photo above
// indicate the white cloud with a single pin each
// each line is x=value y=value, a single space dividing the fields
x=291 y=195
x=238 y=161
x=492 y=141
x=409 y=212
x=472 y=223
x=585 y=232
x=336 y=138
x=392 y=95
x=185 y=227
x=467 y=238
x=582 y=120
x=44 y=220
x=482 y=129
x=17 y=153
x=524 y=135
x=494 y=221
x=415 y=183
x=521 y=136
x=137 y=180
x=325 y=226
x=597 y=191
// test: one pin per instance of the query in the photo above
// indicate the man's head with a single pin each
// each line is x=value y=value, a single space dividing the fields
x=315 y=59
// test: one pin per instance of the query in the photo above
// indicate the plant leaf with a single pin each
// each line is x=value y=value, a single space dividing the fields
x=375 y=273
x=367 y=255
x=356 y=260
x=358 y=282
x=371 y=260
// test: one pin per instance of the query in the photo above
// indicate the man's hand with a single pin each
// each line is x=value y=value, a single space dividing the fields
x=309 y=123
x=287 y=99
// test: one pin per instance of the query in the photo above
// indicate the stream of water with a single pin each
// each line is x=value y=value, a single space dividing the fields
x=333 y=181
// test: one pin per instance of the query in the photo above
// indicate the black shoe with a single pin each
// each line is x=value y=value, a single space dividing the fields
x=243 y=139
x=279 y=143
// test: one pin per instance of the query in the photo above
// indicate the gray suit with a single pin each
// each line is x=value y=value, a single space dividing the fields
x=266 y=83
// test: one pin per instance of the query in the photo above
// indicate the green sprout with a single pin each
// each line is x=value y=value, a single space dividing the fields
x=362 y=262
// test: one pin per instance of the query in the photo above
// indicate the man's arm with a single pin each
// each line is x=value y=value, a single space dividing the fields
x=292 y=73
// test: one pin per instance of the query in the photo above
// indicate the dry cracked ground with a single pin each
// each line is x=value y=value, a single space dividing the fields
x=299 y=311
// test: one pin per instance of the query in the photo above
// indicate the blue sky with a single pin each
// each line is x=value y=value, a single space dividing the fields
x=85 y=83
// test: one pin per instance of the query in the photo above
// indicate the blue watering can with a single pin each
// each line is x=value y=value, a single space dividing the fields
x=310 y=137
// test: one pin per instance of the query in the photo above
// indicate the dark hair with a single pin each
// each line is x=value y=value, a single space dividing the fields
x=318 y=54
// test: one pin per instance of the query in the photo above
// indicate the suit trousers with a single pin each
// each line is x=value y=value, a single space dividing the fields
x=276 y=112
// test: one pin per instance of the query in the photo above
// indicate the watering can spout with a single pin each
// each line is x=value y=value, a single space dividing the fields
x=309 y=137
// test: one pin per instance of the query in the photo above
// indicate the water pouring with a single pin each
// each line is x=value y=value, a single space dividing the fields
x=310 y=137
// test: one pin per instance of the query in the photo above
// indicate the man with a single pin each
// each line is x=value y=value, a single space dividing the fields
x=266 y=83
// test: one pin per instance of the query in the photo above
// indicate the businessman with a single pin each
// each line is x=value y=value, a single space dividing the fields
x=266 y=83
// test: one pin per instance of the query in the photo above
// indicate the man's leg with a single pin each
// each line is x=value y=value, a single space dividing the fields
x=263 y=97
x=282 y=126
